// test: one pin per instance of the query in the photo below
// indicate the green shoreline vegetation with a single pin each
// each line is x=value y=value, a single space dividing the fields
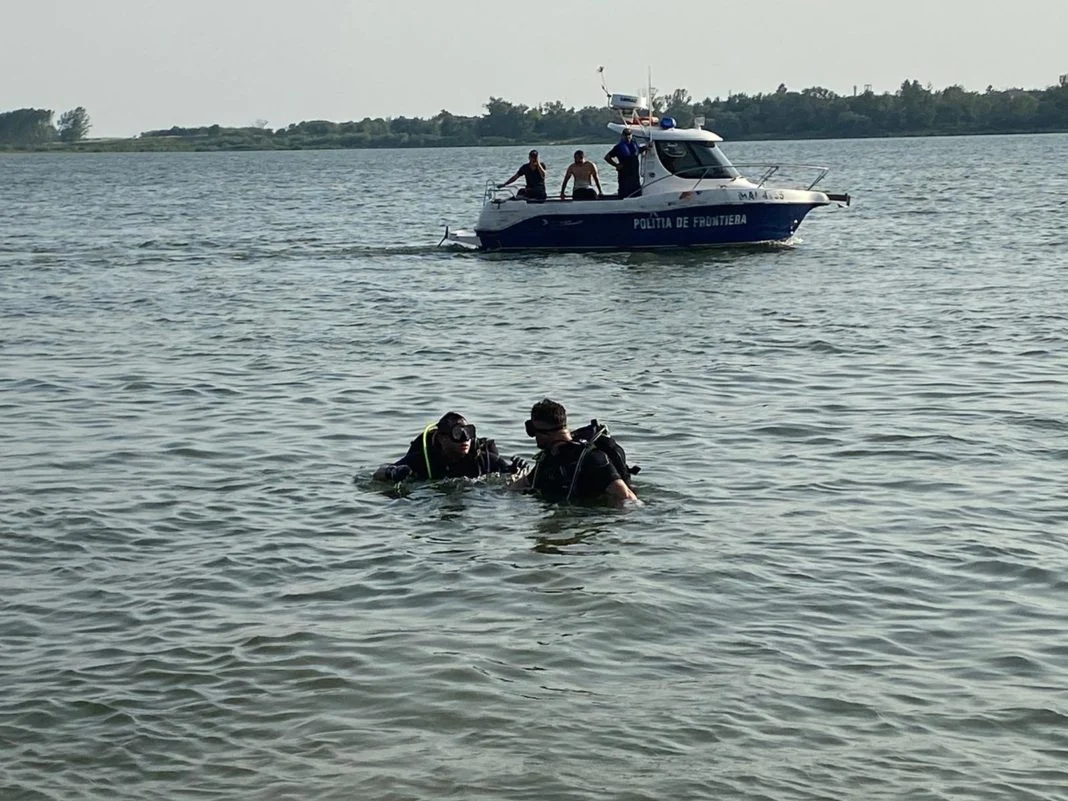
x=813 y=113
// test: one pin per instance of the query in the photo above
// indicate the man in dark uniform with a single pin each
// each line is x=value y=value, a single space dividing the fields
x=568 y=469
x=449 y=449
x=534 y=172
x=625 y=157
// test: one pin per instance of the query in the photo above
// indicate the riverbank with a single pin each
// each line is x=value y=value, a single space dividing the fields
x=218 y=144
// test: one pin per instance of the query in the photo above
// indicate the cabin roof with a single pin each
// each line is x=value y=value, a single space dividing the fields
x=656 y=133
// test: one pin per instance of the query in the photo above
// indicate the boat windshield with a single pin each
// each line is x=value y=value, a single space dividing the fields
x=695 y=160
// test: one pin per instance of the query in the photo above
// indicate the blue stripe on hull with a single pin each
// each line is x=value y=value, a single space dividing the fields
x=679 y=228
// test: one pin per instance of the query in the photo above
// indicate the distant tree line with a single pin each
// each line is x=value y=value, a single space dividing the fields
x=913 y=110
x=813 y=113
x=32 y=127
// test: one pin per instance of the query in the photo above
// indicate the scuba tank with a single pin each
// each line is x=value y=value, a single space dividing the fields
x=596 y=436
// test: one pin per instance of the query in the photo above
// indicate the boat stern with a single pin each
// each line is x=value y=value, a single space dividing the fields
x=464 y=237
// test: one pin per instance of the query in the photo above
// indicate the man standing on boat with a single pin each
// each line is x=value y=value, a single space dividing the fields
x=534 y=172
x=625 y=157
x=584 y=172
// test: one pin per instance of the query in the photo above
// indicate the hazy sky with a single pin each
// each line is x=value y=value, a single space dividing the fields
x=137 y=65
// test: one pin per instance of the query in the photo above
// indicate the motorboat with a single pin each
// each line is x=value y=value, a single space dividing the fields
x=689 y=195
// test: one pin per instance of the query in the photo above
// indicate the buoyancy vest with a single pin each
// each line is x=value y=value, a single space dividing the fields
x=559 y=474
x=483 y=452
x=598 y=436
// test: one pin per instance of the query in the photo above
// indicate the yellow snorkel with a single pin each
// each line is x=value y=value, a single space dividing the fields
x=426 y=448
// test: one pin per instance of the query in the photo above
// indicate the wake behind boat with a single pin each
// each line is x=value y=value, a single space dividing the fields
x=689 y=195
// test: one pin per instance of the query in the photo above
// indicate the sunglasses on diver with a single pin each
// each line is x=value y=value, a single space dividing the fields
x=533 y=432
x=459 y=432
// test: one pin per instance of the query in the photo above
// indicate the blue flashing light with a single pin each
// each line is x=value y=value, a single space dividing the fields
x=667 y=122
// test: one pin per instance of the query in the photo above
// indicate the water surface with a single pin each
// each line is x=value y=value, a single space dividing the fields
x=847 y=580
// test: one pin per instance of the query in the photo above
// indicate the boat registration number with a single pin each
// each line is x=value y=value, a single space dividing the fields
x=762 y=194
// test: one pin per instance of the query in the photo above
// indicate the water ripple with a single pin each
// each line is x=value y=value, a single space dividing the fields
x=846 y=580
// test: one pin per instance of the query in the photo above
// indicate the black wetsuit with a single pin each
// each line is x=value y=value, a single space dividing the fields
x=554 y=472
x=480 y=460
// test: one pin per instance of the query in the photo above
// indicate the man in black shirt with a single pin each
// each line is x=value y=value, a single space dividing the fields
x=568 y=469
x=449 y=449
x=534 y=172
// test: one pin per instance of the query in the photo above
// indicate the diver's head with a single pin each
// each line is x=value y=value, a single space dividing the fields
x=547 y=423
x=455 y=436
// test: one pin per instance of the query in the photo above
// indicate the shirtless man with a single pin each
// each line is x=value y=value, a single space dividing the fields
x=583 y=172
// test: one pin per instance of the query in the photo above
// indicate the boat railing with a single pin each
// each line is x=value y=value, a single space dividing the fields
x=497 y=194
x=718 y=173
x=772 y=169
x=710 y=172
x=494 y=193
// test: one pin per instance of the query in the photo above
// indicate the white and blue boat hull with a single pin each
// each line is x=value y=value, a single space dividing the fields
x=695 y=225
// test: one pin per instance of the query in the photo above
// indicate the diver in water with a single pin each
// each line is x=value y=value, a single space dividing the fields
x=574 y=468
x=449 y=449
